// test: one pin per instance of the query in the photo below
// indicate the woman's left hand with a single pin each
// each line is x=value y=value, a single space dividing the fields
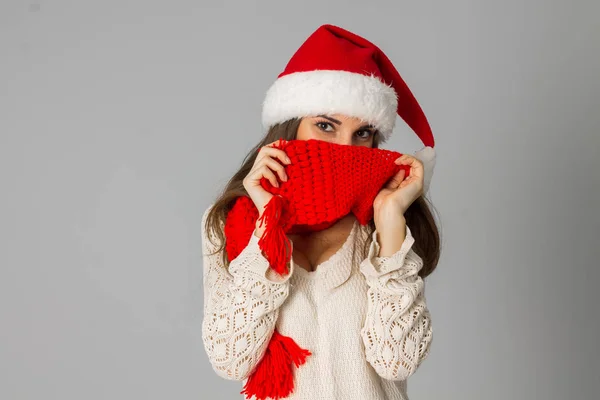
x=398 y=194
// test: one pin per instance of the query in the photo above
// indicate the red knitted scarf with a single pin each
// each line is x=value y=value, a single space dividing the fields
x=326 y=182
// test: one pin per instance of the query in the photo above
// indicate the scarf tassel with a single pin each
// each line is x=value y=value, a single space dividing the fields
x=274 y=241
x=273 y=376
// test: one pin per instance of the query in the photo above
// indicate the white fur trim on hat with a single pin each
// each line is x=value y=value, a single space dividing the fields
x=428 y=157
x=302 y=94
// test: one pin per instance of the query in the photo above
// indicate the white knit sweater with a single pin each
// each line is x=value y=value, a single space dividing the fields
x=363 y=318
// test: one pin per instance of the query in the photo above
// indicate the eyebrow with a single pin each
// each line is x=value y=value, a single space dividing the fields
x=331 y=119
x=367 y=126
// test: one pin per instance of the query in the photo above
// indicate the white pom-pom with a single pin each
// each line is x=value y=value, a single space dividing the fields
x=427 y=157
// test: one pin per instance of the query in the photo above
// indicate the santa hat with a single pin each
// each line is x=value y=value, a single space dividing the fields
x=338 y=72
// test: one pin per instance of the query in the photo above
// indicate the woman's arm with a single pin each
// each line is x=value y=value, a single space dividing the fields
x=397 y=332
x=241 y=307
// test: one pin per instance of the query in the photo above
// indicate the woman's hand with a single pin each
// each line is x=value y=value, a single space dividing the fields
x=265 y=166
x=393 y=200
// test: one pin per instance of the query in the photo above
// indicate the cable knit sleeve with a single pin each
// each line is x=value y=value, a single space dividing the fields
x=241 y=307
x=397 y=332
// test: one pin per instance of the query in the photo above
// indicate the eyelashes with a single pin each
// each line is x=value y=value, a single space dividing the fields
x=319 y=124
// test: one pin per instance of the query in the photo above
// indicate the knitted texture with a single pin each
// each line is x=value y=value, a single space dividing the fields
x=364 y=317
x=326 y=181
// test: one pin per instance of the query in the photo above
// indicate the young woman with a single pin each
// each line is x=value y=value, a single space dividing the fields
x=353 y=298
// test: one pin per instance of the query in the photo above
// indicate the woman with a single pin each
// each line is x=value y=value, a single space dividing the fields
x=353 y=297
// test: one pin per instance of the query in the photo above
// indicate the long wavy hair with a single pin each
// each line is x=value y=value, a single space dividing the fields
x=419 y=216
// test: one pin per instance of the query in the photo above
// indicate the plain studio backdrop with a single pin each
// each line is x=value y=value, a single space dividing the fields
x=121 y=120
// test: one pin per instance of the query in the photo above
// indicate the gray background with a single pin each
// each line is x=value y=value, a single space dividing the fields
x=120 y=120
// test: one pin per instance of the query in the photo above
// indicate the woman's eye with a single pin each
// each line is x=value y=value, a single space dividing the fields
x=367 y=133
x=323 y=125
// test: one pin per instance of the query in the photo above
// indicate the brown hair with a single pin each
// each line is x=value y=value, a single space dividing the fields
x=418 y=216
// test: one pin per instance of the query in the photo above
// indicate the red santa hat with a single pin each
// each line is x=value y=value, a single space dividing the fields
x=338 y=72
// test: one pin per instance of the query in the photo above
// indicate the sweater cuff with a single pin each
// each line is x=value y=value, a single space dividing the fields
x=251 y=259
x=374 y=266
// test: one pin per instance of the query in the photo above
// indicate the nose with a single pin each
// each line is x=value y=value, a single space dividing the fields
x=344 y=138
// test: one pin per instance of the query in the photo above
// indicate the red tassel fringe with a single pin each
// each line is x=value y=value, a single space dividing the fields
x=274 y=241
x=273 y=376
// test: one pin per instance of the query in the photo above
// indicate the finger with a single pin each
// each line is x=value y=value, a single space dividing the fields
x=396 y=180
x=276 y=166
x=275 y=153
x=407 y=159
x=266 y=172
x=276 y=142
x=260 y=171
x=408 y=181
x=416 y=166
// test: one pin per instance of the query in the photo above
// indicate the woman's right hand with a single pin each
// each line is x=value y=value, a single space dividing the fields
x=265 y=166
